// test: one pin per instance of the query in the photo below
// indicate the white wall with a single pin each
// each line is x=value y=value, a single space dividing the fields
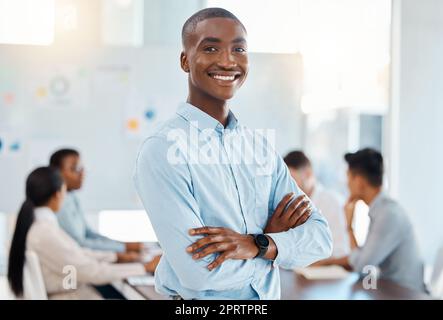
x=416 y=130
x=93 y=117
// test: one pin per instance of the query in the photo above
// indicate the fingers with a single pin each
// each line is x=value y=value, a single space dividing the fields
x=203 y=242
x=294 y=205
x=303 y=208
x=206 y=230
x=220 y=259
x=299 y=220
x=213 y=248
x=283 y=203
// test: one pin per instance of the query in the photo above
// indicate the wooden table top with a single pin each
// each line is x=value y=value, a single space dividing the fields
x=296 y=287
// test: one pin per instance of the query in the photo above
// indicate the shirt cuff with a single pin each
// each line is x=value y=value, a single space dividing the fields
x=279 y=243
x=120 y=247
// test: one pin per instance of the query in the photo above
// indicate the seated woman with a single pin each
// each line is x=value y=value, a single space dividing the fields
x=60 y=256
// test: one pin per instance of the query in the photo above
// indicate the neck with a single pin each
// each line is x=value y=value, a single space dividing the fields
x=217 y=109
x=370 y=195
x=52 y=206
x=310 y=191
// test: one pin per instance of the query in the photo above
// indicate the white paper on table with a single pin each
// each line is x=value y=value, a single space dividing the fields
x=323 y=272
x=138 y=281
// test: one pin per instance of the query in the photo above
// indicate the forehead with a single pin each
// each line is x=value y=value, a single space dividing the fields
x=71 y=159
x=224 y=29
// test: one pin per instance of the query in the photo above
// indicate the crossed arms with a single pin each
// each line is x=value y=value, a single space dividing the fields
x=291 y=212
x=299 y=236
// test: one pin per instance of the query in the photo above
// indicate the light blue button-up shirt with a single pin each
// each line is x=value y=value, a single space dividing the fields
x=193 y=172
x=72 y=220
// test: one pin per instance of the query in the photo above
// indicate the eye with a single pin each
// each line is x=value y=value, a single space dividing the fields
x=210 y=49
x=240 y=49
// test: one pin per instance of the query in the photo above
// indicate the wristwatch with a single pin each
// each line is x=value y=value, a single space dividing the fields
x=262 y=242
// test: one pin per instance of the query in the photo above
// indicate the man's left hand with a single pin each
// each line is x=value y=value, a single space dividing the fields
x=229 y=244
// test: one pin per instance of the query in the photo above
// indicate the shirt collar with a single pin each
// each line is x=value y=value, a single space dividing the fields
x=201 y=120
x=377 y=200
x=45 y=214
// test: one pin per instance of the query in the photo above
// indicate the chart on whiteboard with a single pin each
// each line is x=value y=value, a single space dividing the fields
x=60 y=87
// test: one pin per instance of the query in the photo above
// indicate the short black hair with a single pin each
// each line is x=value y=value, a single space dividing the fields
x=57 y=157
x=204 y=14
x=297 y=159
x=367 y=162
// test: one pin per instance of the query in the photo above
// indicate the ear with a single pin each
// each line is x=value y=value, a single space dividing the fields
x=59 y=195
x=361 y=181
x=184 y=62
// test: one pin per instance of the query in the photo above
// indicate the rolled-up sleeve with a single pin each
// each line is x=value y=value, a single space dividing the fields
x=305 y=244
x=166 y=191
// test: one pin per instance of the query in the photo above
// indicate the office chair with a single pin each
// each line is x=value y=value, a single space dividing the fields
x=435 y=285
x=33 y=284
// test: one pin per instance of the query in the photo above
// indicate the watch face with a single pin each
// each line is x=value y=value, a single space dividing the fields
x=262 y=240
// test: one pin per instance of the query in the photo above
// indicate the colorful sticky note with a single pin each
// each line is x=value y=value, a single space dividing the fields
x=124 y=77
x=41 y=92
x=133 y=124
x=15 y=146
x=150 y=114
x=9 y=98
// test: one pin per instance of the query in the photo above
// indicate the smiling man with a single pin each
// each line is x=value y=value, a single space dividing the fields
x=222 y=202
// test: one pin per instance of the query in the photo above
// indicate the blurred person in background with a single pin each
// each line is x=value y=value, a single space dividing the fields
x=390 y=245
x=37 y=230
x=71 y=216
x=328 y=202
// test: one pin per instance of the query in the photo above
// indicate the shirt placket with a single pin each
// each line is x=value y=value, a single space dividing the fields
x=233 y=169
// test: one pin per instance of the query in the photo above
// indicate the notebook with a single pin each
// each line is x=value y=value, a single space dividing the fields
x=141 y=281
x=323 y=272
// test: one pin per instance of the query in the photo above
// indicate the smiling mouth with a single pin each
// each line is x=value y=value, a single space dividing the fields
x=227 y=78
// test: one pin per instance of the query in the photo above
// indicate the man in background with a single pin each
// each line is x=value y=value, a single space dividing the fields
x=328 y=202
x=390 y=244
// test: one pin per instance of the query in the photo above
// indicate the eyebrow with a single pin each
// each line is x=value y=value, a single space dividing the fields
x=211 y=39
x=239 y=39
x=218 y=40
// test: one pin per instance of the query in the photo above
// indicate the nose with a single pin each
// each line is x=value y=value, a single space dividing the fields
x=227 y=60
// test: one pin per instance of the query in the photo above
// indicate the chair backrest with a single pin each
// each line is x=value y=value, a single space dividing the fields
x=33 y=284
x=436 y=283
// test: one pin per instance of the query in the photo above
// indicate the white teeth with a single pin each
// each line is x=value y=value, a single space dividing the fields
x=225 y=78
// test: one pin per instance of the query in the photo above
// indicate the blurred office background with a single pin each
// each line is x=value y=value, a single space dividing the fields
x=331 y=76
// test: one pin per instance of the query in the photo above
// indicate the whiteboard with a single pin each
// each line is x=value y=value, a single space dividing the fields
x=91 y=100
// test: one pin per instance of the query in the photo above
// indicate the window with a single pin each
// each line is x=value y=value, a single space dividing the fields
x=27 y=22
x=122 y=22
x=272 y=25
x=126 y=225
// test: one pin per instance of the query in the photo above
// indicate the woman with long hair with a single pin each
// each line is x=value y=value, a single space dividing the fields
x=37 y=230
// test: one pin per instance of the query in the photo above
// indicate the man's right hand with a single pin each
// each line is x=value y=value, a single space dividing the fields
x=133 y=246
x=126 y=257
x=287 y=217
x=349 y=211
x=152 y=265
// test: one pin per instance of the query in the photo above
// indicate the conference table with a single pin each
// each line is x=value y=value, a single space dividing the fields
x=296 y=287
